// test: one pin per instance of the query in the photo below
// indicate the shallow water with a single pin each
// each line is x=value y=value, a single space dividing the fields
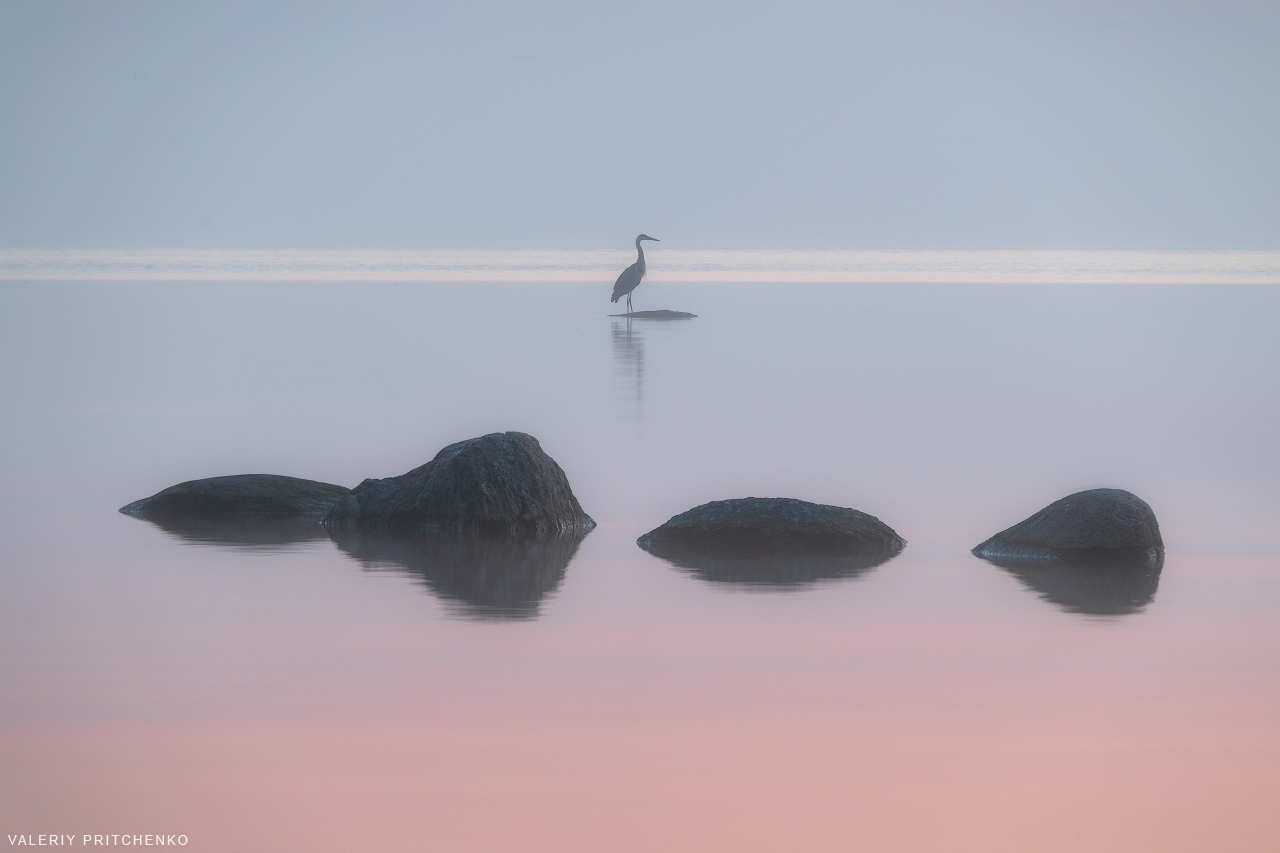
x=277 y=690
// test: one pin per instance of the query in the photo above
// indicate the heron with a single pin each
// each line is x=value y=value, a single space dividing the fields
x=631 y=276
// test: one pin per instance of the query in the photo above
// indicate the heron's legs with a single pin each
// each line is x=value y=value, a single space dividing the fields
x=628 y=303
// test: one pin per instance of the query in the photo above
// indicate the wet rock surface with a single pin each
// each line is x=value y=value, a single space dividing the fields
x=1087 y=526
x=501 y=484
x=779 y=542
x=239 y=496
x=477 y=577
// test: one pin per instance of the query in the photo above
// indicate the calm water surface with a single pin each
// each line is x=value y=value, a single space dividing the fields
x=262 y=690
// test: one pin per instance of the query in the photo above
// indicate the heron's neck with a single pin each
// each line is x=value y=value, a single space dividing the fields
x=640 y=249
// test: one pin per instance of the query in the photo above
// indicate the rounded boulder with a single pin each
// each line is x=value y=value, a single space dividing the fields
x=498 y=484
x=773 y=541
x=1098 y=523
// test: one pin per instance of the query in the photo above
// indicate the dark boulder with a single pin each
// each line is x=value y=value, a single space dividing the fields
x=240 y=496
x=1096 y=525
x=475 y=577
x=1097 y=552
x=779 y=542
x=501 y=484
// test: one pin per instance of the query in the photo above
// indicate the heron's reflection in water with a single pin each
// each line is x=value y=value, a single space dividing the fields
x=767 y=566
x=476 y=578
x=1115 y=583
x=628 y=337
x=245 y=533
x=628 y=358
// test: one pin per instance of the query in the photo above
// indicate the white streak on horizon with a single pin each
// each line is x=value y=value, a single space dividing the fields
x=668 y=265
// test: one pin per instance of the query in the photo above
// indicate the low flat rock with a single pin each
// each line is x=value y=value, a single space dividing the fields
x=501 y=484
x=773 y=541
x=243 y=496
x=662 y=314
x=1096 y=526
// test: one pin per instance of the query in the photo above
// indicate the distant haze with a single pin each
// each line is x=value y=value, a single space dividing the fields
x=525 y=125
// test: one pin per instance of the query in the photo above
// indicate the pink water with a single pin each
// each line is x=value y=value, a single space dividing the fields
x=291 y=698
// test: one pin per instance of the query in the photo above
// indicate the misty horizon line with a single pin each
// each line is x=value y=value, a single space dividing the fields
x=623 y=245
x=668 y=265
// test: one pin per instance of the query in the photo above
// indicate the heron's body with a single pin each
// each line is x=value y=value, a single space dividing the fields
x=632 y=275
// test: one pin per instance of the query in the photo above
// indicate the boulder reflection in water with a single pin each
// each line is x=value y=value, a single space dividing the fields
x=1103 y=582
x=476 y=577
x=244 y=532
x=768 y=565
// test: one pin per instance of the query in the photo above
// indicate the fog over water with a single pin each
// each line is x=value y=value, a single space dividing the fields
x=568 y=678
x=843 y=392
x=945 y=264
x=949 y=411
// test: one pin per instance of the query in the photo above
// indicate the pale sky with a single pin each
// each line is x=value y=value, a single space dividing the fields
x=577 y=125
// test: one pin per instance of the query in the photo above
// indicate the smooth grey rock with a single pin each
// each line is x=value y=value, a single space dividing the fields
x=773 y=542
x=501 y=484
x=1094 y=526
x=476 y=577
x=243 y=496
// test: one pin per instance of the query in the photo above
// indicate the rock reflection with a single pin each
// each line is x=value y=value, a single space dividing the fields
x=1117 y=582
x=770 y=566
x=244 y=533
x=476 y=577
